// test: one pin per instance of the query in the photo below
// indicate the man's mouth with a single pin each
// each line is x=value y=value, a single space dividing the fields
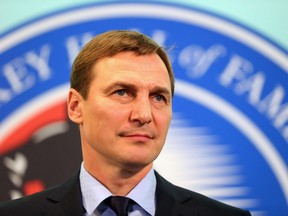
x=137 y=136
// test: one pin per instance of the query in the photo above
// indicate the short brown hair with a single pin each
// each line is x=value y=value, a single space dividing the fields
x=109 y=44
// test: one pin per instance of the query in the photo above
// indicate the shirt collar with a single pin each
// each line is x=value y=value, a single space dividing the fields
x=144 y=193
x=93 y=192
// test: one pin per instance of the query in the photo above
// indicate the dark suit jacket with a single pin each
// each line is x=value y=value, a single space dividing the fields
x=66 y=199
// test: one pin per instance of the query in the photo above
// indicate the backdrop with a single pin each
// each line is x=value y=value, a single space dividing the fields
x=229 y=133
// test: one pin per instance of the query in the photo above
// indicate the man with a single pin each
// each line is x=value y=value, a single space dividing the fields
x=122 y=86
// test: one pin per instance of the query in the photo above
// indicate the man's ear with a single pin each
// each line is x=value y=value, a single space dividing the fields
x=74 y=103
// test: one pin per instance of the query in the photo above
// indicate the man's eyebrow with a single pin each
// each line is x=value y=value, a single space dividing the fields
x=120 y=84
x=132 y=87
x=162 y=90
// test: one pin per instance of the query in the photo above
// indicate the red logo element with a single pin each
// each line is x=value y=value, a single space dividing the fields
x=33 y=186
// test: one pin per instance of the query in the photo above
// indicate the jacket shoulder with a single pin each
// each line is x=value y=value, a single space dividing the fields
x=48 y=200
x=28 y=205
x=192 y=203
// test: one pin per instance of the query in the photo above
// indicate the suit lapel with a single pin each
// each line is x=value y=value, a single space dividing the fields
x=170 y=201
x=67 y=199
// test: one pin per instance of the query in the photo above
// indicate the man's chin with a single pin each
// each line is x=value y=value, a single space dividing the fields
x=136 y=166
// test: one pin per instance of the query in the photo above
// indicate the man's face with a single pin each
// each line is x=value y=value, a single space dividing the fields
x=127 y=113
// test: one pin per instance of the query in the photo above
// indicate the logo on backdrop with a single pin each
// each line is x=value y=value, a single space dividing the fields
x=229 y=134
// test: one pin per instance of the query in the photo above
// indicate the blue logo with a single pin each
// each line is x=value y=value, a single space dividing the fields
x=229 y=134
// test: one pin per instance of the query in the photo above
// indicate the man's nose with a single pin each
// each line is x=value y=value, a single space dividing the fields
x=141 y=111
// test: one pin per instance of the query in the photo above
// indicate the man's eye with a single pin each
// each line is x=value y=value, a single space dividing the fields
x=159 y=98
x=121 y=92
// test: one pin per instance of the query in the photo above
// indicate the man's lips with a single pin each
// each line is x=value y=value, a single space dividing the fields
x=137 y=135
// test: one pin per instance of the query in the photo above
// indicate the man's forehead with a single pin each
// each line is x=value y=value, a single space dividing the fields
x=133 y=70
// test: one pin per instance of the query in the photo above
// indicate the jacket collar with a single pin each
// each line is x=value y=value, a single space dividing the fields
x=170 y=199
x=67 y=199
